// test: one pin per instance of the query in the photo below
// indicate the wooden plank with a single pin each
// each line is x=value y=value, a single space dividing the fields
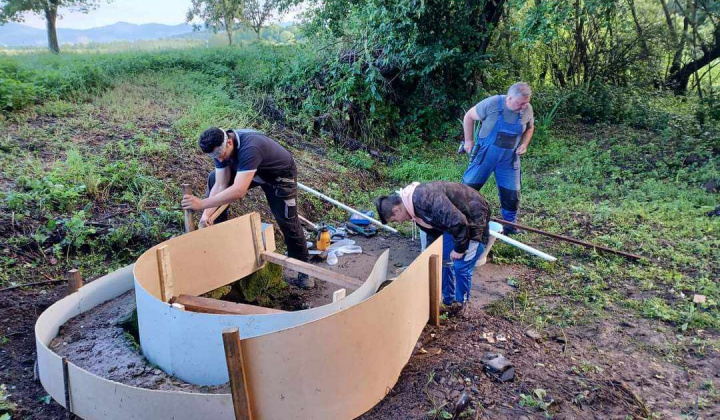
x=236 y=371
x=167 y=287
x=256 y=227
x=338 y=295
x=435 y=274
x=74 y=281
x=189 y=225
x=218 y=211
x=214 y=306
x=313 y=270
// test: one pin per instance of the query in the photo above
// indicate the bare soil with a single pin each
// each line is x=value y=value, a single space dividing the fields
x=621 y=367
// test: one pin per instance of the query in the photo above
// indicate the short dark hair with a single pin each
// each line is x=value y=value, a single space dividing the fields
x=210 y=139
x=385 y=205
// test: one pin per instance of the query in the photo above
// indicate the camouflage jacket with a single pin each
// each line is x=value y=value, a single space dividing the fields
x=453 y=208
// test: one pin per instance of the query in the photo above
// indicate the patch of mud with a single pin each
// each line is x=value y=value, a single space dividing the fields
x=96 y=342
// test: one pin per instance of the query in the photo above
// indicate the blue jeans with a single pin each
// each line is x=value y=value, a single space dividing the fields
x=457 y=281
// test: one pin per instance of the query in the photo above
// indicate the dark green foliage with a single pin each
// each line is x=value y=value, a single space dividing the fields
x=263 y=285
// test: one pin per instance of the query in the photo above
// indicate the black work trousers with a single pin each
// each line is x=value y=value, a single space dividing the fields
x=282 y=199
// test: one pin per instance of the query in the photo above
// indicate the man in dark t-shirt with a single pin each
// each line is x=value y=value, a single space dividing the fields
x=246 y=159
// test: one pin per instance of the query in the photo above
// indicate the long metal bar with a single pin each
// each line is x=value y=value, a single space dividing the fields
x=343 y=206
x=571 y=240
x=526 y=248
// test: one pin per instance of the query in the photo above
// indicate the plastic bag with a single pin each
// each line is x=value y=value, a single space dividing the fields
x=339 y=248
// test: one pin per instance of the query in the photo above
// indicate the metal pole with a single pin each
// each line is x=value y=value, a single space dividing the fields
x=522 y=246
x=571 y=240
x=343 y=206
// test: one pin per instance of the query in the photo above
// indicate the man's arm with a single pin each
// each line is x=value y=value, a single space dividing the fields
x=222 y=179
x=234 y=192
x=448 y=218
x=525 y=141
x=469 y=127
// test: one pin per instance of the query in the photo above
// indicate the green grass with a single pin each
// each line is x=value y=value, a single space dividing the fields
x=106 y=192
x=121 y=129
x=616 y=186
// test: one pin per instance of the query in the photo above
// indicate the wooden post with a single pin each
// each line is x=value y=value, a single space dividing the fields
x=256 y=225
x=74 y=281
x=189 y=226
x=435 y=279
x=66 y=384
x=236 y=371
x=167 y=286
x=339 y=294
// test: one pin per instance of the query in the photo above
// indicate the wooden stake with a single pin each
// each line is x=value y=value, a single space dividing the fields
x=66 y=384
x=435 y=276
x=189 y=226
x=167 y=286
x=256 y=225
x=74 y=281
x=236 y=371
x=338 y=295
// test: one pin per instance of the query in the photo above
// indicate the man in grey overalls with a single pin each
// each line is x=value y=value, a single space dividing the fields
x=507 y=128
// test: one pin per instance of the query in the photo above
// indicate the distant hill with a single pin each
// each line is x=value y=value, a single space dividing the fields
x=15 y=34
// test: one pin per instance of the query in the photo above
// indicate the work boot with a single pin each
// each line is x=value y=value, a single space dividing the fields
x=305 y=281
x=455 y=309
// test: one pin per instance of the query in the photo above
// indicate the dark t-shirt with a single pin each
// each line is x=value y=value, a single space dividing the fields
x=256 y=151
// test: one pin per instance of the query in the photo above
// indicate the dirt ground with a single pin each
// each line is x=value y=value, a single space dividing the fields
x=582 y=372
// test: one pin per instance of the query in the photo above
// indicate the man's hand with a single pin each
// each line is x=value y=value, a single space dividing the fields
x=204 y=222
x=468 y=146
x=521 y=150
x=190 y=202
x=456 y=255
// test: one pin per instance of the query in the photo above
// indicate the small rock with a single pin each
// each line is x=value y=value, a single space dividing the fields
x=475 y=390
x=157 y=372
x=627 y=324
x=533 y=334
x=699 y=299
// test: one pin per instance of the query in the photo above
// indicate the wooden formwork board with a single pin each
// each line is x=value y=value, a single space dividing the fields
x=189 y=344
x=205 y=259
x=364 y=345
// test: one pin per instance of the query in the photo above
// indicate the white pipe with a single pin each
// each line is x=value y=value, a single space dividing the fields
x=343 y=206
x=522 y=246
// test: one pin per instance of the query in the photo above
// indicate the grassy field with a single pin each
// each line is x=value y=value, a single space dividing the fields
x=93 y=153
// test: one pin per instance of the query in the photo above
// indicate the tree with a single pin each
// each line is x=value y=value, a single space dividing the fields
x=703 y=19
x=256 y=13
x=15 y=10
x=216 y=15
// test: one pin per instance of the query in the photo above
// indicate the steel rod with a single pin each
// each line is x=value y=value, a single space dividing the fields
x=343 y=206
x=524 y=247
x=568 y=239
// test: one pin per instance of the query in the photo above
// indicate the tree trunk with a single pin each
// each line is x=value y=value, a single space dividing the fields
x=491 y=16
x=50 y=20
x=257 y=32
x=680 y=44
x=638 y=28
x=678 y=80
x=229 y=35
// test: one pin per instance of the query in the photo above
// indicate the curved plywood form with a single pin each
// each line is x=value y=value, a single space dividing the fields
x=336 y=364
x=189 y=344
